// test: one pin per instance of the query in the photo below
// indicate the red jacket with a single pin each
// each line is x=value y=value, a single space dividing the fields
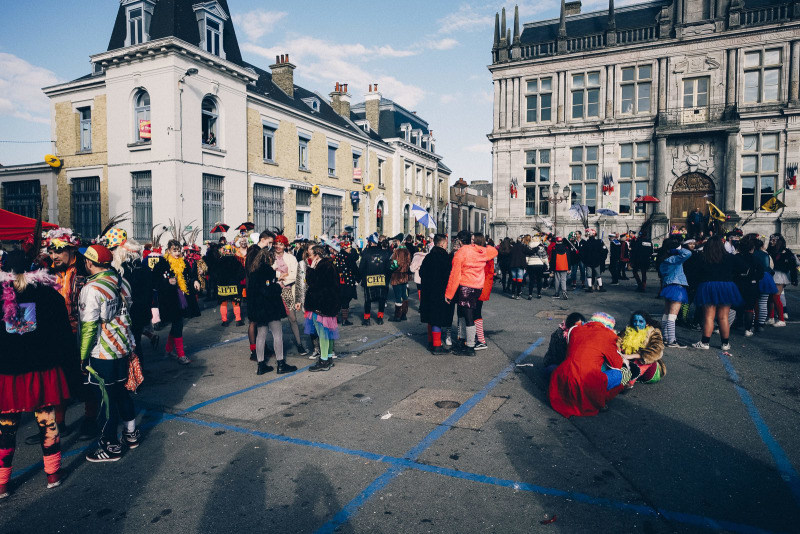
x=469 y=268
x=489 y=282
x=578 y=386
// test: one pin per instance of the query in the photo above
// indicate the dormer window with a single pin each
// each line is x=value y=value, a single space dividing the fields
x=313 y=103
x=138 y=14
x=211 y=18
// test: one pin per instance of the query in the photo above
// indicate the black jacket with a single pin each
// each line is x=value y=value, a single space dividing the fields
x=519 y=254
x=346 y=264
x=593 y=252
x=264 y=302
x=434 y=273
x=322 y=293
x=228 y=275
x=140 y=278
x=641 y=253
x=168 y=302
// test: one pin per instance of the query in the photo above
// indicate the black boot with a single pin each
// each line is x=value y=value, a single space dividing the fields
x=365 y=321
x=284 y=367
x=404 y=311
x=253 y=356
x=263 y=368
x=301 y=349
x=379 y=320
x=396 y=317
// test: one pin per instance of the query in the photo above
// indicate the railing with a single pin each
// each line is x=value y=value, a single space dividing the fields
x=765 y=15
x=697 y=115
x=588 y=42
x=636 y=35
x=538 y=50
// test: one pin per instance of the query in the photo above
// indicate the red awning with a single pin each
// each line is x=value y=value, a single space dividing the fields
x=14 y=227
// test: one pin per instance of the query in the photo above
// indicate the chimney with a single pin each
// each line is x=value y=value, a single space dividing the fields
x=573 y=8
x=340 y=100
x=372 y=104
x=283 y=74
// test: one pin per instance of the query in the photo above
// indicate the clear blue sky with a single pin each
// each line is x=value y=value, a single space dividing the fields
x=429 y=56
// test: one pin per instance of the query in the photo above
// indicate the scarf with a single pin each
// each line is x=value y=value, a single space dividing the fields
x=634 y=340
x=178 y=266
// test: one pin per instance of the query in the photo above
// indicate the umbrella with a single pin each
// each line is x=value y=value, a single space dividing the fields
x=423 y=217
x=220 y=228
x=578 y=212
x=646 y=199
x=604 y=211
x=246 y=226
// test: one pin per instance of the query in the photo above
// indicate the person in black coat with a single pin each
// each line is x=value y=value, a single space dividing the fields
x=229 y=274
x=641 y=256
x=433 y=309
x=518 y=263
x=321 y=304
x=614 y=252
x=376 y=269
x=265 y=308
x=593 y=254
x=346 y=263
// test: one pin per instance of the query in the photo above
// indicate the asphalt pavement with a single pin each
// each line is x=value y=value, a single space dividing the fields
x=393 y=439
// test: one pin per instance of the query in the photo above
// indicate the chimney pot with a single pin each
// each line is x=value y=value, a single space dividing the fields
x=287 y=58
x=370 y=88
x=345 y=88
x=376 y=87
x=277 y=59
x=282 y=74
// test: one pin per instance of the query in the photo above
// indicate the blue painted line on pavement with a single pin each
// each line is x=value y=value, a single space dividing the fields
x=397 y=465
x=351 y=508
x=787 y=472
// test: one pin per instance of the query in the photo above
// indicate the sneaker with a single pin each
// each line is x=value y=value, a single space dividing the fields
x=448 y=341
x=676 y=345
x=440 y=350
x=54 y=480
x=480 y=346
x=301 y=349
x=240 y=323
x=779 y=324
x=321 y=365
x=225 y=323
x=378 y=320
x=184 y=360
x=538 y=296
x=170 y=354
x=332 y=355
x=748 y=333
x=467 y=351
x=3 y=491
x=364 y=322
x=771 y=321
x=530 y=297
x=701 y=345
x=105 y=452
x=131 y=439
x=716 y=330
x=726 y=346
x=315 y=355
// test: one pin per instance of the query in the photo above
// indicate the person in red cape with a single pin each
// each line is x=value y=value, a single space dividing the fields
x=593 y=372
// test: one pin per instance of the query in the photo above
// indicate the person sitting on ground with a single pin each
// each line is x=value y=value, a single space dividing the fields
x=593 y=372
x=643 y=346
x=557 y=350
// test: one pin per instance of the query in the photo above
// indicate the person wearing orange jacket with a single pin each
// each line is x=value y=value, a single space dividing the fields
x=480 y=240
x=465 y=286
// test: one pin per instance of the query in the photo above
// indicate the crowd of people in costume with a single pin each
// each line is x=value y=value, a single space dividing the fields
x=76 y=317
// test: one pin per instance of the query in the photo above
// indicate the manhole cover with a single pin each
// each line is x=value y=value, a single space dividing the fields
x=447 y=404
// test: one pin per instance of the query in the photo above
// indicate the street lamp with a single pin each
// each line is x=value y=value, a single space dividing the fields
x=556 y=199
x=461 y=185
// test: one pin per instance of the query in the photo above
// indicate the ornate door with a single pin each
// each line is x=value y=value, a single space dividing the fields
x=690 y=191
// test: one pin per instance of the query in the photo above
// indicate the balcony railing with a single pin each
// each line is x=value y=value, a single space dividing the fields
x=765 y=15
x=698 y=116
x=637 y=35
x=589 y=42
x=538 y=50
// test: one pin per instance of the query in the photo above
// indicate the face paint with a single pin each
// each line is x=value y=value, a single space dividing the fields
x=639 y=323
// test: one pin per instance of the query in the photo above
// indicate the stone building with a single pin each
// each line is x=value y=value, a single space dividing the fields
x=470 y=207
x=685 y=100
x=172 y=123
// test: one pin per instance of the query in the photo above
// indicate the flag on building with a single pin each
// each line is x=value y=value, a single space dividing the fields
x=791 y=177
x=608 y=184
x=715 y=212
x=773 y=205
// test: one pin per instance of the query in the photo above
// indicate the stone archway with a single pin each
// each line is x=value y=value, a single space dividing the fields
x=690 y=191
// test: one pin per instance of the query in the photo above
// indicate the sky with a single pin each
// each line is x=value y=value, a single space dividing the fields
x=429 y=56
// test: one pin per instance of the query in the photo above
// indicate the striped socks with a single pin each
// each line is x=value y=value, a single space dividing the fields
x=669 y=327
x=479 y=331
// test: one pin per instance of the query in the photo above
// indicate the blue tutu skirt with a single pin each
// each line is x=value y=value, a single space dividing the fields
x=675 y=293
x=718 y=294
x=329 y=325
x=767 y=285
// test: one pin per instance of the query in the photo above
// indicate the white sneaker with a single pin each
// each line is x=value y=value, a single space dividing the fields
x=480 y=346
x=332 y=355
x=716 y=330
x=314 y=355
x=748 y=333
x=448 y=341
x=726 y=346
x=701 y=345
x=778 y=324
x=770 y=321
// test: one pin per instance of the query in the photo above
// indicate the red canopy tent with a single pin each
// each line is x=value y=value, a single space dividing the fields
x=14 y=227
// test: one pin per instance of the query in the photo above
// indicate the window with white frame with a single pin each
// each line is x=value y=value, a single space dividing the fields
x=537 y=180
x=210 y=115
x=762 y=76
x=213 y=36
x=86 y=129
x=635 y=88
x=429 y=183
x=302 y=161
x=539 y=99
x=407 y=178
x=759 y=169
x=141 y=117
x=380 y=172
x=135 y=26
x=584 y=176
x=142 y=204
x=86 y=205
x=419 y=181
x=586 y=95
x=406 y=218
x=331 y=160
x=267 y=206
x=695 y=92
x=268 y=143
x=213 y=202
x=331 y=214
x=634 y=172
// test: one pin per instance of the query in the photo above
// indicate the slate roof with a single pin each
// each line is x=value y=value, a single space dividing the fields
x=392 y=116
x=176 y=18
x=628 y=17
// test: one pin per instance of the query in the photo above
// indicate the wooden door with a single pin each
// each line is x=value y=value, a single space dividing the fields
x=689 y=192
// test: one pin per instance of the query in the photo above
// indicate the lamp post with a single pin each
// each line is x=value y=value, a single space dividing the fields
x=555 y=200
x=461 y=185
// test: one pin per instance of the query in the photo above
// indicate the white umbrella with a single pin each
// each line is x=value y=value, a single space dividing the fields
x=423 y=217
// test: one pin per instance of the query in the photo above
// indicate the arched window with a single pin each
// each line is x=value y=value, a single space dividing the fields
x=406 y=213
x=209 y=121
x=379 y=218
x=141 y=117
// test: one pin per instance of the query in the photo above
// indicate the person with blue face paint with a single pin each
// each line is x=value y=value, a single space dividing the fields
x=643 y=346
